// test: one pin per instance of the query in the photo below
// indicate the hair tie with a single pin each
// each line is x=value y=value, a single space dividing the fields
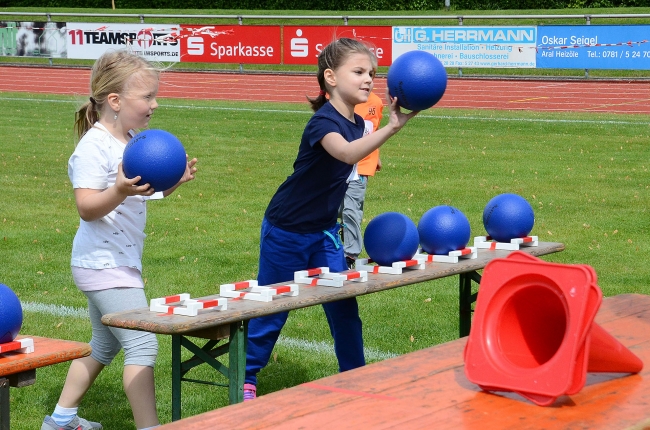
x=93 y=101
x=322 y=93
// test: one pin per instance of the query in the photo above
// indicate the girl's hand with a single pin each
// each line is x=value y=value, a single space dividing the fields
x=190 y=170
x=127 y=187
x=397 y=118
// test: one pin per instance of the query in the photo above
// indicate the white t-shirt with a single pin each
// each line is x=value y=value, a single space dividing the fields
x=116 y=239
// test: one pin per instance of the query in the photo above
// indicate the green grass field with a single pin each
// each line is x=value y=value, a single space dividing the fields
x=586 y=176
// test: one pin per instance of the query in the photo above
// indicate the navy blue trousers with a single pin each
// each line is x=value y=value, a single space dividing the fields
x=281 y=254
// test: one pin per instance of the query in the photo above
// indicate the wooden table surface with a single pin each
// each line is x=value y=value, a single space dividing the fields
x=240 y=310
x=427 y=389
x=46 y=352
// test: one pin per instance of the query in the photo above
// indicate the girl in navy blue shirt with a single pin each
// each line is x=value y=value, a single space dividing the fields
x=300 y=229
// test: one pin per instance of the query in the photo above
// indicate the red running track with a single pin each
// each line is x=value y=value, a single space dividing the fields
x=629 y=97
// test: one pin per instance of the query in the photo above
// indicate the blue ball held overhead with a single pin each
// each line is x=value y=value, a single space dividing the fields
x=157 y=156
x=391 y=237
x=418 y=80
x=443 y=229
x=11 y=314
x=508 y=216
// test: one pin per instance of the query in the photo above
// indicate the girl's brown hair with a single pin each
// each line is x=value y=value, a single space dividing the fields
x=332 y=57
x=110 y=74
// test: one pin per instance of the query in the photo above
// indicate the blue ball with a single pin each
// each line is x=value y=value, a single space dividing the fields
x=418 y=80
x=157 y=156
x=391 y=237
x=508 y=216
x=443 y=229
x=11 y=314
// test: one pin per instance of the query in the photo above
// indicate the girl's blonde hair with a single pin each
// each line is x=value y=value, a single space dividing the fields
x=110 y=74
x=332 y=57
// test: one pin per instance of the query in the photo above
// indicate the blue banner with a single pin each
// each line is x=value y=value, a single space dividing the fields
x=622 y=47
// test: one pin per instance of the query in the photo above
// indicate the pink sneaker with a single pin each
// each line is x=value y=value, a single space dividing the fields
x=250 y=392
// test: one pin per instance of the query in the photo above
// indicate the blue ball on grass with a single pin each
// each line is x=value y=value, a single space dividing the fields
x=443 y=229
x=157 y=156
x=418 y=80
x=391 y=237
x=508 y=216
x=11 y=314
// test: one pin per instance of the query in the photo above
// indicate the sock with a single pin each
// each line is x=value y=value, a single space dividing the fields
x=63 y=416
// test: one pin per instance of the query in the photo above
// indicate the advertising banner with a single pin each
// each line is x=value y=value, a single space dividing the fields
x=154 y=42
x=488 y=47
x=246 y=44
x=622 y=47
x=32 y=39
x=303 y=43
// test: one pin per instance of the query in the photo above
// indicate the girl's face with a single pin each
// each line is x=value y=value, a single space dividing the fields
x=353 y=80
x=138 y=101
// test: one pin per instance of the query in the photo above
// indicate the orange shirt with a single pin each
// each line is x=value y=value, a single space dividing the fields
x=370 y=111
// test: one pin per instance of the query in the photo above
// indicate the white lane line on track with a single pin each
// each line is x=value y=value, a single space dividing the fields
x=309 y=112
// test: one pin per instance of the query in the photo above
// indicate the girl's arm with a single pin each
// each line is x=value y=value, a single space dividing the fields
x=94 y=204
x=353 y=152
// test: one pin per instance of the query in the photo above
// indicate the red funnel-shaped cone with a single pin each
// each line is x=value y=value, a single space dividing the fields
x=607 y=354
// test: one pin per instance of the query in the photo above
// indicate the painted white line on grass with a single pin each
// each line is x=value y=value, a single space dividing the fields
x=325 y=348
x=56 y=310
x=328 y=349
x=422 y=115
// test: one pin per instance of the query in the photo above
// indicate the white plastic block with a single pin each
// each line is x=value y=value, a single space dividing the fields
x=159 y=304
x=486 y=242
x=323 y=277
x=452 y=257
x=24 y=346
x=234 y=290
x=395 y=269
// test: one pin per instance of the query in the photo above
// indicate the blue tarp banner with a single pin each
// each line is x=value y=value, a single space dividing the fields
x=621 y=47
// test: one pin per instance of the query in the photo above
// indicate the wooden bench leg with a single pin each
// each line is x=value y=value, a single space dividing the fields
x=465 y=300
x=237 y=361
x=208 y=354
x=4 y=404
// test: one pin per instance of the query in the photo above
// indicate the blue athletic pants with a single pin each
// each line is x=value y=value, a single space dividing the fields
x=281 y=254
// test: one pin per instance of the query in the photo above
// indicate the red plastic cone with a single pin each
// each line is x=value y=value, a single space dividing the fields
x=607 y=354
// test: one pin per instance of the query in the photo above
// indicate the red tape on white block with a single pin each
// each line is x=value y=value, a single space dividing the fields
x=322 y=276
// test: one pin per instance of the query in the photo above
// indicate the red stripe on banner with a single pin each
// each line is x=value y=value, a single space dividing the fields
x=313 y=272
x=354 y=275
x=172 y=299
x=350 y=392
x=283 y=289
x=10 y=346
x=493 y=246
x=241 y=285
x=209 y=303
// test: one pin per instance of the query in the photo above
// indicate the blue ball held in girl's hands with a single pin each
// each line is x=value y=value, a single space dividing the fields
x=508 y=216
x=157 y=156
x=11 y=314
x=443 y=229
x=391 y=237
x=418 y=80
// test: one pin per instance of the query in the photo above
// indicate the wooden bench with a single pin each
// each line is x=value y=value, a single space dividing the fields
x=19 y=369
x=427 y=389
x=212 y=326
